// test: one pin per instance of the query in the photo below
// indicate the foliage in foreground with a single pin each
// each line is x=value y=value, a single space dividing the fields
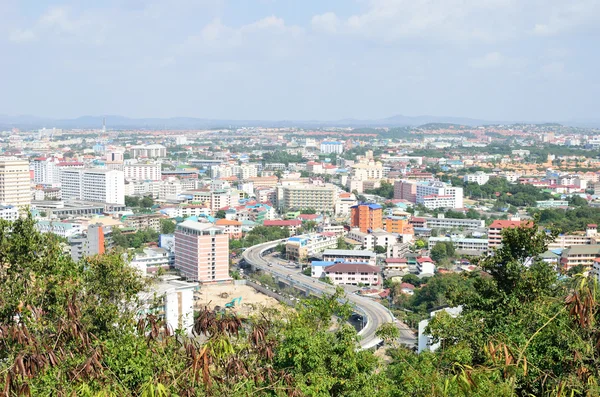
x=73 y=329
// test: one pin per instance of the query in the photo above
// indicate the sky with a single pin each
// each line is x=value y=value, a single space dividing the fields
x=534 y=60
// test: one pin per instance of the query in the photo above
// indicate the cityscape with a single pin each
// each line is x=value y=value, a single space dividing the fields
x=287 y=237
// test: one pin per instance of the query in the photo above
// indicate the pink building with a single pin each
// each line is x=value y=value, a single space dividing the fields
x=202 y=252
x=405 y=190
x=353 y=274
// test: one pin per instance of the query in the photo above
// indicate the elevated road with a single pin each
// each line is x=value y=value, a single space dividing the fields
x=373 y=313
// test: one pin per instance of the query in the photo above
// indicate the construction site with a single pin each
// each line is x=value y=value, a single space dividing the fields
x=242 y=299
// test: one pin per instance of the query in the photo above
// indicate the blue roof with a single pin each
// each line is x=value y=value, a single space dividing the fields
x=322 y=263
x=372 y=206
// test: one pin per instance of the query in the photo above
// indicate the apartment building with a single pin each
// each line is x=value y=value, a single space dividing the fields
x=63 y=229
x=353 y=274
x=584 y=255
x=442 y=222
x=202 y=252
x=375 y=238
x=367 y=170
x=319 y=198
x=496 y=228
x=151 y=259
x=479 y=178
x=95 y=241
x=245 y=171
x=405 y=190
x=148 y=151
x=231 y=227
x=90 y=184
x=15 y=182
x=175 y=304
x=264 y=181
x=437 y=194
x=366 y=217
x=344 y=203
x=142 y=172
x=463 y=244
x=143 y=221
x=332 y=147
x=350 y=256
x=300 y=248
x=9 y=212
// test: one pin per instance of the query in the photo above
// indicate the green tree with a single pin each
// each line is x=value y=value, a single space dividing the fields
x=167 y=226
x=220 y=214
x=132 y=201
x=388 y=332
x=147 y=202
x=439 y=251
x=380 y=249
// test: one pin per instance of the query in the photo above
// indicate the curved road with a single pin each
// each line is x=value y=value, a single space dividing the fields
x=374 y=313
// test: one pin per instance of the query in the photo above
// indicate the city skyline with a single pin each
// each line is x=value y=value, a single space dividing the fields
x=277 y=60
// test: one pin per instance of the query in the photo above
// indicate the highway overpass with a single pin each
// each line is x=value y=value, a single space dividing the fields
x=373 y=313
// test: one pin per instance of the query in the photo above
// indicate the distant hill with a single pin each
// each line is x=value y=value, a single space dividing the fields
x=183 y=123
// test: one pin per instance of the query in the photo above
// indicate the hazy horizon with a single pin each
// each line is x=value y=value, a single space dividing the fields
x=495 y=60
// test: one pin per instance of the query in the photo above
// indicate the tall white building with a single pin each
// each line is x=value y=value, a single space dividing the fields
x=439 y=195
x=245 y=171
x=148 y=151
x=479 y=177
x=46 y=171
x=15 y=182
x=142 y=172
x=332 y=147
x=107 y=186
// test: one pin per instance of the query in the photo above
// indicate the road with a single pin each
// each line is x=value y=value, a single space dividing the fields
x=374 y=313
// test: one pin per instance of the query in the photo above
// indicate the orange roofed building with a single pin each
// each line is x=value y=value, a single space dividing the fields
x=230 y=227
x=495 y=230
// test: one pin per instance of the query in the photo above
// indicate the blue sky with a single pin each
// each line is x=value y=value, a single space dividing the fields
x=301 y=59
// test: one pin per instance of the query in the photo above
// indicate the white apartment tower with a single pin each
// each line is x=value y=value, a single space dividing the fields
x=142 y=172
x=15 y=183
x=106 y=186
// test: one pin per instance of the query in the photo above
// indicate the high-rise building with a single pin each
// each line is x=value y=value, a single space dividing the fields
x=366 y=217
x=15 y=182
x=148 y=151
x=105 y=186
x=202 y=252
x=332 y=147
x=142 y=172
x=46 y=171
x=405 y=190
x=435 y=194
x=299 y=197
x=94 y=242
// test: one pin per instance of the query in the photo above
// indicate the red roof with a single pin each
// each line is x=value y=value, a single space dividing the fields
x=424 y=259
x=501 y=224
x=351 y=267
x=280 y=222
x=396 y=260
x=308 y=217
x=407 y=286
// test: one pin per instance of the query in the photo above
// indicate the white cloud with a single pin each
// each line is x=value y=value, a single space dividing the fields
x=22 y=36
x=266 y=36
x=489 y=60
x=565 y=16
x=328 y=22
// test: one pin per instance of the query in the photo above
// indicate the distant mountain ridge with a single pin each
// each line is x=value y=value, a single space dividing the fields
x=183 y=123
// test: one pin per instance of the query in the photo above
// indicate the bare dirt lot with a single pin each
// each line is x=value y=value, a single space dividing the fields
x=219 y=295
